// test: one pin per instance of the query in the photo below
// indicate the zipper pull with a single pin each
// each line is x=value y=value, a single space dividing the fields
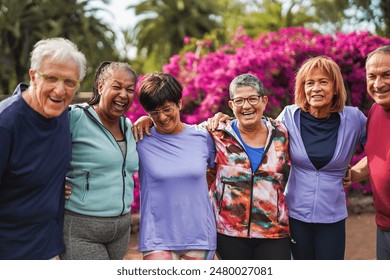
x=87 y=181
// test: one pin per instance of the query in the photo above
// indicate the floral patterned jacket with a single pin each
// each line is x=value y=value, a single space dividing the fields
x=250 y=203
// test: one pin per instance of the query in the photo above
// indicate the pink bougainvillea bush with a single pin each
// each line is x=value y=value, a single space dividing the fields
x=274 y=58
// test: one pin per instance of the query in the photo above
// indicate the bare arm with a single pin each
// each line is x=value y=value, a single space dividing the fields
x=359 y=172
x=141 y=126
x=212 y=123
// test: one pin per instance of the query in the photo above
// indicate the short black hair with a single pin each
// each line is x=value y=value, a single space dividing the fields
x=157 y=88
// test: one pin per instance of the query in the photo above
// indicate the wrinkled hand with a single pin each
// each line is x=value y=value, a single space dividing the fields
x=347 y=180
x=212 y=123
x=141 y=126
x=68 y=191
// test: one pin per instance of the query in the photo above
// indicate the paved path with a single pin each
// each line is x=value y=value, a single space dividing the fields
x=361 y=235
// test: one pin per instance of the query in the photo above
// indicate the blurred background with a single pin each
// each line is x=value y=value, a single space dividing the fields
x=204 y=44
x=147 y=33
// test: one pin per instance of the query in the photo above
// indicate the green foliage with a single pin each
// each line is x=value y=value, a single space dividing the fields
x=24 y=22
x=331 y=11
x=257 y=17
x=337 y=14
x=163 y=25
x=385 y=6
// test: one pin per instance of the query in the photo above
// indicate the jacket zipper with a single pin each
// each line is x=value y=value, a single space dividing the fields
x=253 y=173
x=277 y=205
x=221 y=199
x=253 y=177
x=87 y=177
x=124 y=169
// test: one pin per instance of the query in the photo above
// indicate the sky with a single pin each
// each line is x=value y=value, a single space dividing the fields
x=123 y=17
x=118 y=17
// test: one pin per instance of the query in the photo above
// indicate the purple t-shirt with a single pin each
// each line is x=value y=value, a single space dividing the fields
x=176 y=213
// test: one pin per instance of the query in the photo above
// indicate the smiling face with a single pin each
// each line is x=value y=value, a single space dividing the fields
x=116 y=93
x=166 y=118
x=248 y=115
x=319 y=91
x=50 y=100
x=378 y=79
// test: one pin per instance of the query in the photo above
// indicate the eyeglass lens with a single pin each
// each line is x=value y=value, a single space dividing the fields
x=252 y=100
x=166 y=111
x=51 y=79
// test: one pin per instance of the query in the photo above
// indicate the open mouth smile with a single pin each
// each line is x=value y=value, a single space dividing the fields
x=120 y=105
x=55 y=100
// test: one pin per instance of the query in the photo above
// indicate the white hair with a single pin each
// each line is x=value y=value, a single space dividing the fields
x=58 y=49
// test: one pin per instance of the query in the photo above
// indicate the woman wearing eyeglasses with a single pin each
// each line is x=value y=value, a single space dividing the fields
x=104 y=159
x=247 y=182
x=247 y=193
x=324 y=134
x=177 y=220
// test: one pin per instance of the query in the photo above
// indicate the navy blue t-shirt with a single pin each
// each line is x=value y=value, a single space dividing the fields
x=318 y=133
x=34 y=157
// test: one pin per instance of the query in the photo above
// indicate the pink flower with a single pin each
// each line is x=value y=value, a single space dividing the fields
x=274 y=58
x=187 y=40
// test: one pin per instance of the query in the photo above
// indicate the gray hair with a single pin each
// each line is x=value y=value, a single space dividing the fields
x=105 y=70
x=59 y=49
x=383 y=49
x=246 y=80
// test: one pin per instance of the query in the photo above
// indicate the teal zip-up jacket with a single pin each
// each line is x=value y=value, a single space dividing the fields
x=100 y=176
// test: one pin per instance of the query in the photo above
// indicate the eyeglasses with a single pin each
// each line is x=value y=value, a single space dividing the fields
x=166 y=111
x=53 y=80
x=252 y=100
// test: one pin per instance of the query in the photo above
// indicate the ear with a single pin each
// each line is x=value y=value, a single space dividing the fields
x=230 y=103
x=180 y=104
x=32 y=76
x=100 y=88
x=265 y=100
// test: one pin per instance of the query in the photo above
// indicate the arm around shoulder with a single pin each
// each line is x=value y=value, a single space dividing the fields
x=359 y=172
